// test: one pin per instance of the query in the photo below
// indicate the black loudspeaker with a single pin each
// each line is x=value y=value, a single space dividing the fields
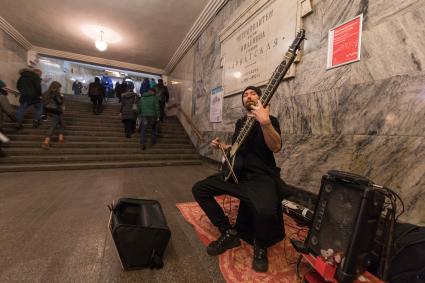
x=140 y=232
x=345 y=220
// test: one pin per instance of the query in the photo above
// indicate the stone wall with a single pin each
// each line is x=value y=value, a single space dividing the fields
x=13 y=58
x=367 y=117
x=180 y=87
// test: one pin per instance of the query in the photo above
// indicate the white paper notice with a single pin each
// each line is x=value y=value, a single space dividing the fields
x=216 y=105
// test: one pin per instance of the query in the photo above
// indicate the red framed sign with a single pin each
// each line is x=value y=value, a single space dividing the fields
x=344 y=43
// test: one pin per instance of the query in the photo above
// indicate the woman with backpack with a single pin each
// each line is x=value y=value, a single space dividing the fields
x=53 y=103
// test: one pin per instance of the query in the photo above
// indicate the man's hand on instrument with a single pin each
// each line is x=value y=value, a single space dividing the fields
x=216 y=143
x=260 y=113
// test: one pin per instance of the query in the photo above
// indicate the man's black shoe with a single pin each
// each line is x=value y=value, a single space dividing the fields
x=260 y=263
x=227 y=240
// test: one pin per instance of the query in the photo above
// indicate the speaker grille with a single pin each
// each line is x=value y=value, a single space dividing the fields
x=341 y=212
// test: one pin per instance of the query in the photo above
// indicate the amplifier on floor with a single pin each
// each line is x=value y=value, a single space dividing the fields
x=345 y=221
x=140 y=232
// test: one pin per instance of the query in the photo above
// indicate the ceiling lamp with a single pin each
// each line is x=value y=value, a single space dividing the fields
x=101 y=44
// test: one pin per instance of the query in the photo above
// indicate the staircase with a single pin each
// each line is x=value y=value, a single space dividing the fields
x=93 y=142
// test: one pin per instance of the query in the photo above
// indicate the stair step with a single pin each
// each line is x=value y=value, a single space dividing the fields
x=18 y=151
x=93 y=144
x=73 y=126
x=40 y=137
x=141 y=156
x=119 y=132
x=100 y=121
x=94 y=165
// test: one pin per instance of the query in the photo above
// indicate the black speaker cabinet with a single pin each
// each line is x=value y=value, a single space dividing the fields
x=345 y=220
x=140 y=232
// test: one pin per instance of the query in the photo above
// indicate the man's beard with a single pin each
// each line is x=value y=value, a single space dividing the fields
x=248 y=105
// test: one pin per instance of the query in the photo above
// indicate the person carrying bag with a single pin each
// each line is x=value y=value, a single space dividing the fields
x=54 y=101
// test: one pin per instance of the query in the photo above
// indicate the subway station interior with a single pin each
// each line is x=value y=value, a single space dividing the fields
x=212 y=141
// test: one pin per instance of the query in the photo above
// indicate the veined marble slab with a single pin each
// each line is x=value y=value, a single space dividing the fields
x=398 y=163
x=394 y=106
x=395 y=162
x=382 y=10
x=13 y=58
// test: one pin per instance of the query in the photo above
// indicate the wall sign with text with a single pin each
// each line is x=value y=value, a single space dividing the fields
x=255 y=42
x=344 y=43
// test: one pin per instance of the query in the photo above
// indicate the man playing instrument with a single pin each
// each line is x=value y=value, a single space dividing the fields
x=259 y=220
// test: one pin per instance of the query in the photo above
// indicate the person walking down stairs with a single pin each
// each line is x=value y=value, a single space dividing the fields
x=149 y=113
x=129 y=109
x=54 y=107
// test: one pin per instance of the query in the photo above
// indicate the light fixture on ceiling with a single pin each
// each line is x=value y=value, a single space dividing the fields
x=101 y=44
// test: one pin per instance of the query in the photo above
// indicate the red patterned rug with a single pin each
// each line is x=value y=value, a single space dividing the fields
x=235 y=264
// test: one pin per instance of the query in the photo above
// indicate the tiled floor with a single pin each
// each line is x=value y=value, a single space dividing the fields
x=53 y=225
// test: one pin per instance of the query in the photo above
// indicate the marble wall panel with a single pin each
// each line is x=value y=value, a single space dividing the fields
x=394 y=107
x=180 y=84
x=397 y=162
x=13 y=58
x=306 y=158
x=310 y=114
x=312 y=75
x=395 y=47
x=393 y=161
x=382 y=10
x=336 y=12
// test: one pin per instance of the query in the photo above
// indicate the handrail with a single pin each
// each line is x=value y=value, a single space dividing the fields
x=197 y=132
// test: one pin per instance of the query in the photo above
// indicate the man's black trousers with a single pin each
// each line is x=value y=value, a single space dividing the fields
x=161 y=110
x=260 y=211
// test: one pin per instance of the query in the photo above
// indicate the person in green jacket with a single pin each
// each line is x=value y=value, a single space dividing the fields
x=149 y=114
